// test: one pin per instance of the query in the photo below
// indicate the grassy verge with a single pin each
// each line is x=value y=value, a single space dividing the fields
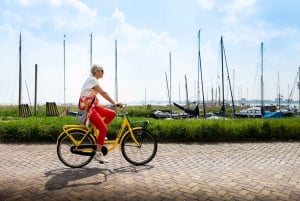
x=204 y=130
x=46 y=129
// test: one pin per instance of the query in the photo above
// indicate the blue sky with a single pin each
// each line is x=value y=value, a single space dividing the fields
x=146 y=33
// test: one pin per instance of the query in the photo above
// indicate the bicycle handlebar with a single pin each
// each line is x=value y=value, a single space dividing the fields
x=119 y=105
x=114 y=107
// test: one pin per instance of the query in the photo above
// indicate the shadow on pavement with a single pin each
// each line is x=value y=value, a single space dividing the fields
x=132 y=169
x=68 y=177
x=63 y=178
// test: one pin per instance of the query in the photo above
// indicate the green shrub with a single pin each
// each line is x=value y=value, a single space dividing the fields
x=47 y=129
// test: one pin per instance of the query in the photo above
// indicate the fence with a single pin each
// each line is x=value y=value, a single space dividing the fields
x=51 y=109
x=24 y=110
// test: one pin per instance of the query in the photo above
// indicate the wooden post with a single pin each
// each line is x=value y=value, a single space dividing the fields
x=20 y=74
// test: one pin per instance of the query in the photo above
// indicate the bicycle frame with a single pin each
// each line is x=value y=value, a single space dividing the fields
x=69 y=128
x=122 y=133
x=88 y=131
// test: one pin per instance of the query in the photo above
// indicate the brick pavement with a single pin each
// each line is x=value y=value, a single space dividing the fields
x=222 y=171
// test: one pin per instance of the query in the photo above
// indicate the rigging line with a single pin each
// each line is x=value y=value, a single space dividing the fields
x=28 y=93
x=271 y=78
x=222 y=111
x=168 y=91
x=293 y=88
x=232 y=98
x=255 y=91
x=200 y=68
x=14 y=82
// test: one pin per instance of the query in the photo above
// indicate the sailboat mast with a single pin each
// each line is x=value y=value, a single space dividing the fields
x=279 y=95
x=91 y=49
x=198 y=83
x=170 y=60
x=64 y=44
x=299 y=88
x=222 y=64
x=20 y=71
x=186 y=91
x=116 y=72
x=262 y=79
x=200 y=69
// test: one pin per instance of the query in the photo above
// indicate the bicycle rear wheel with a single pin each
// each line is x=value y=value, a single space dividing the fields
x=73 y=160
x=142 y=152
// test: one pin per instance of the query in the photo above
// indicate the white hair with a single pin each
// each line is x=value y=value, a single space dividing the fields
x=95 y=67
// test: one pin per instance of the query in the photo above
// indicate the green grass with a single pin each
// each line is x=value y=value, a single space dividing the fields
x=46 y=129
x=214 y=130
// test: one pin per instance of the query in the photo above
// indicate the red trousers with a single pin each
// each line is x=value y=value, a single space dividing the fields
x=100 y=117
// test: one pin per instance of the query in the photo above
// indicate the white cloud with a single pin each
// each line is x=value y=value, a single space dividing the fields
x=118 y=15
x=83 y=8
x=237 y=10
x=240 y=6
x=28 y=2
x=72 y=15
x=143 y=53
x=142 y=58
x=207 y=4
x=142 y=61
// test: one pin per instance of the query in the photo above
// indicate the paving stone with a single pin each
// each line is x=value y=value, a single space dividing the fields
x=216 y=171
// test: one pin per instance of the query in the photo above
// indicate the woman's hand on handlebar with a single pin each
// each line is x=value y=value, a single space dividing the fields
x=120 y=105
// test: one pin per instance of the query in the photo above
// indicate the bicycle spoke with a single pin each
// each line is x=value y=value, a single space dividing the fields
x=64 y=150
x=141 y=153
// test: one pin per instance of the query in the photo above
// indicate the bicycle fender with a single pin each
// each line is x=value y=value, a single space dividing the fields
x=67 y=131
x=60 y=136
x=75 y=129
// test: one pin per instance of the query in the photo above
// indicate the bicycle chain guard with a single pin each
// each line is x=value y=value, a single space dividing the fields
x=87 y=153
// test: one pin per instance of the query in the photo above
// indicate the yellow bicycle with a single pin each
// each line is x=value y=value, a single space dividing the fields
x=76 y=144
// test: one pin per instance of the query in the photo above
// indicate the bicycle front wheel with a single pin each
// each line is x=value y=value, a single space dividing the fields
x=143 y=151
x=73 y=160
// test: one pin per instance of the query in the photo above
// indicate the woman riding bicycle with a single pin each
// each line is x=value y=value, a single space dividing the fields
x=98 y=115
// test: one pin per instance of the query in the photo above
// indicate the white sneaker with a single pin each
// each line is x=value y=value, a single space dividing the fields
x=99 y=157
